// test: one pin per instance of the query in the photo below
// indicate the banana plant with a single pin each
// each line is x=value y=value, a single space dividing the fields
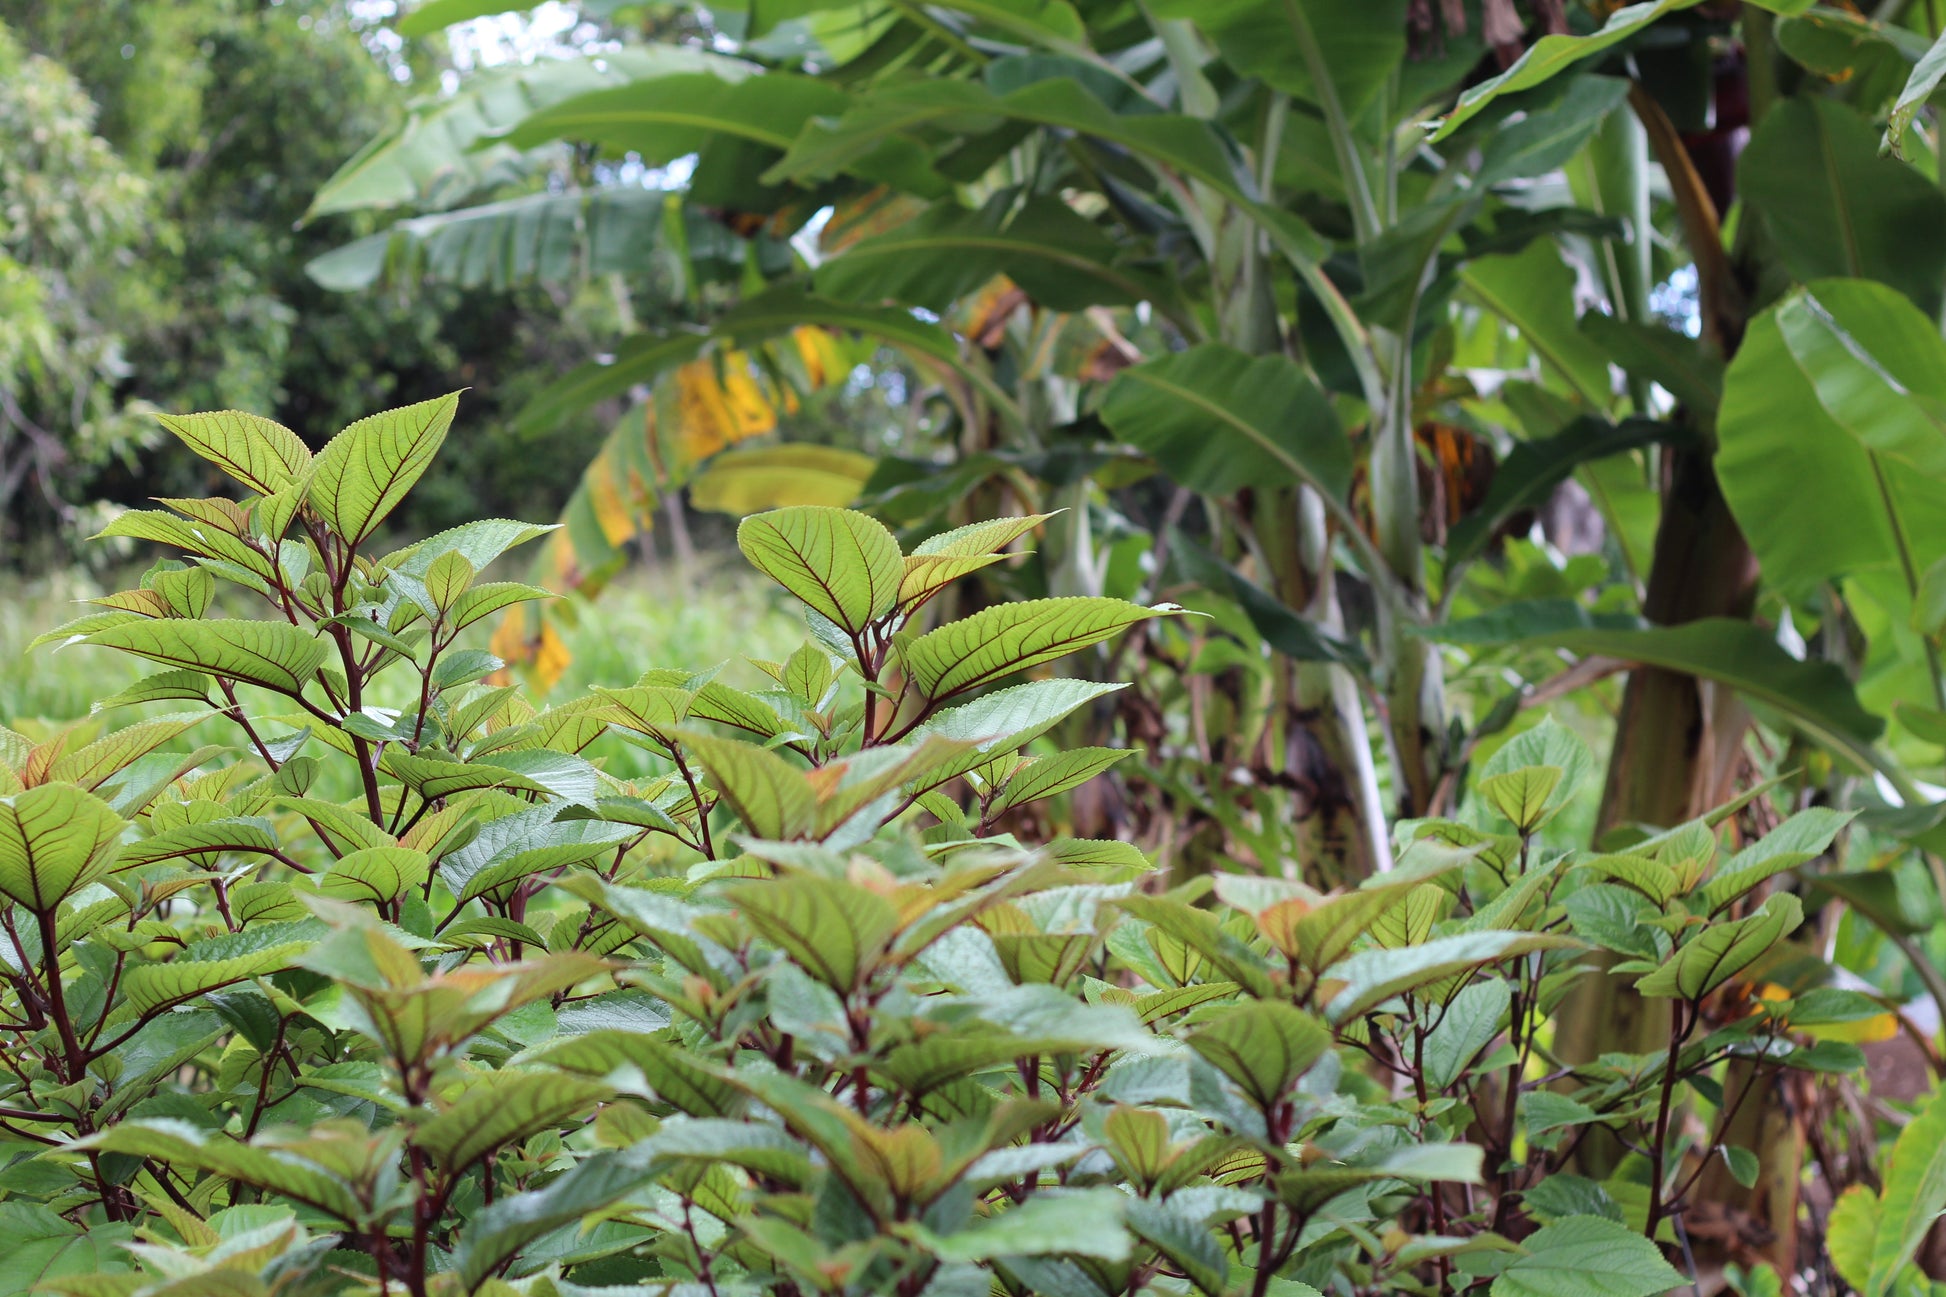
x=1389 y=279
x=1307 y=177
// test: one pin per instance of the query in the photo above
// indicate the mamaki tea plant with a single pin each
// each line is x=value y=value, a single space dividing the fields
x=403 y=984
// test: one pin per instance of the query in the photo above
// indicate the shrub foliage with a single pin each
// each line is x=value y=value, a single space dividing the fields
x=689 y=988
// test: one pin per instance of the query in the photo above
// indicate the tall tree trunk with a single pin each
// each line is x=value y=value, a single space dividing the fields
x=1670 y=749
x=1664 y=770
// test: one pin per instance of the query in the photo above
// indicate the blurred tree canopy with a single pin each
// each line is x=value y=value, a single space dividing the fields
x=156 y=159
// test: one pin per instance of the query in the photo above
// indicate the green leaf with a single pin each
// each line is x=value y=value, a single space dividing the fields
x=1849 y=365
x=163 y=686
x=343 y=828
x=443 y=149
x=78 y=630
x=935 y=1060
x=554 y=238
x=665 y=117
x=738 y=710
x=1200 y=931
x=1534 y=290
x=1876 y=895
x=55 y=839
x=1816 y=695
x=1543 y=1111
x=1372 y=977
x=1722 y=950
x=844 y=565
x=836 y=930
x=675 y=1075
x=1319 y=935
x=98 y=762
x=263 y=455
x=1652 y=878
x=1474 y=1017
x=1834 y=208
x=1057 y=1022
x=979 y=539
x=1059 y=258
x=1522 y=795
x=558 y=774
x=447 y=577
x=1925 y=78
x=1311 y=1188
x=1529 y=474
x=226 y=834
x=1870 y=57
x=364 y=471
x=1140 y=1142
x=866 y=777
x=199 y=538
x=655 y=710
x=1007 y=638
x=761 y=1150
x=747 y=480
x=43 y=1249
x=1559 y=1196
x=1274 y=424
x=1551 y=55
x=437 y=15
x=1359 y=45
x=1182 y=1237
x=485 y=600
x=1872 y=359
x=275 y=655
x=1691 y=372
x=1914 y=1195
x=501 y=1230
x=435 y=779
x=377 y=874
x=636 y=360
x=152 y=987
x=1850 y=1234
x=1072 y=1222
x=1587 y=1256
x=183 y=1146
x=1548 y=135
x=1050 y=776
x=503 y=1107
x=1548 y=744
x=772 y=797
x=879 y=125
x=1262 y=1045
x=1803 y=837
x=1035 y=22
x=787 y=306
x=809 y=673
x=478 y=542
x=525 y=843
x=1010 y=718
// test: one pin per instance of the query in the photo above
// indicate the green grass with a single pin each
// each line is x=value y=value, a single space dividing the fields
x=724 y=613
x=50 y=685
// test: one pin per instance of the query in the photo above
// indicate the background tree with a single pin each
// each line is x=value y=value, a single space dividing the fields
x=70 y=213
x=175 y=229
